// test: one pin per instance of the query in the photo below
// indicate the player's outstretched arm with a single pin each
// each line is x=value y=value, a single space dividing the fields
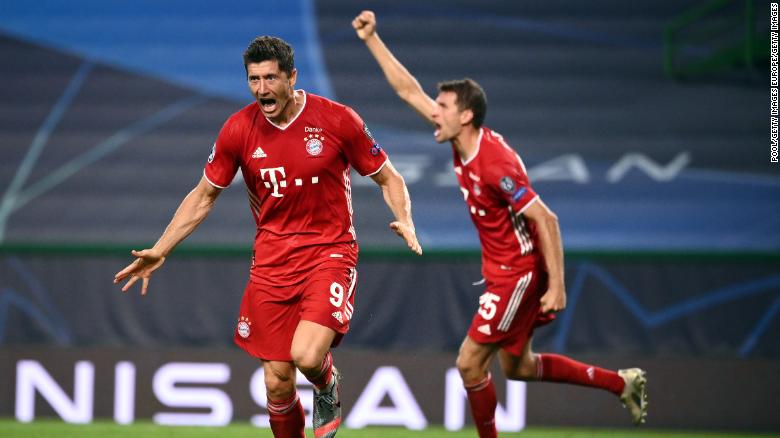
x=397 y=198
x=549 y=234
x=407 y=87
x=193 y=209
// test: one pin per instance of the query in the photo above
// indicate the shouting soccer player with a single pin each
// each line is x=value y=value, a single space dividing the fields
x=522 y=254
x=294 y=150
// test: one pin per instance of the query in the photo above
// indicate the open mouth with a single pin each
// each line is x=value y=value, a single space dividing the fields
x=268 y=105
x=438 y=130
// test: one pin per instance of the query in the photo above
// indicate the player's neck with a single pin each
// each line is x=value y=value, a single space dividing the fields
x=466 y=144
x=291 y=110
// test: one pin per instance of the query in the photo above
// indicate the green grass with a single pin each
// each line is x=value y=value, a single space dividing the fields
x=57 y=429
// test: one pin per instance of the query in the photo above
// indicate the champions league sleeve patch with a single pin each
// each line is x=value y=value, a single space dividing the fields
x=375 y=148
x=507 y=184
x=518 y=194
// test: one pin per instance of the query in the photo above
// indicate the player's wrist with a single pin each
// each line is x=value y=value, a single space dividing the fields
x=157 y=252
x=371 y=38
x=408 y=224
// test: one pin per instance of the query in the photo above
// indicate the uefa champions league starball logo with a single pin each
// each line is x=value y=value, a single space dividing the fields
x=507 y=184
x=314 y=144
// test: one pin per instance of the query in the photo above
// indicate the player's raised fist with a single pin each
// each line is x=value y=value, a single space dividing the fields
x=365 y=24
x=554 y=300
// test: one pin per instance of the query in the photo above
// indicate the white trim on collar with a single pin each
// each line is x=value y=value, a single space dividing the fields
x=471 y=158
x=294 y=117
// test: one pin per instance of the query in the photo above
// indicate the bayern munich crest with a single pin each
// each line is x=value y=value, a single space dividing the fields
x=314 y=144
x=243 y=327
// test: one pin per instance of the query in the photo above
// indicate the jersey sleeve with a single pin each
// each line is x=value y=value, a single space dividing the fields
x=222 y=164
x=362 y=150
x=508 y=181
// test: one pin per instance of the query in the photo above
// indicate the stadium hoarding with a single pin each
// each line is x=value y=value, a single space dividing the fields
x=214 y=387
x=208 y=386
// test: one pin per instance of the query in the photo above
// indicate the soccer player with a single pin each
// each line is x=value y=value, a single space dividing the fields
x=294 y=150
x=522 y=255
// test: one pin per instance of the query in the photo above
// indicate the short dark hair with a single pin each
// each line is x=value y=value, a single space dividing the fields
x=469 y=96
x=268 y=48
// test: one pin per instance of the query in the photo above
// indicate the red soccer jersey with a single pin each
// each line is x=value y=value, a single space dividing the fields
x=298 y=184
x=496 y=188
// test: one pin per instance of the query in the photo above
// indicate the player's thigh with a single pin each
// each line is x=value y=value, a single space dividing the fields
x=310 y=344
x=267 y=321
x=328 y=298
x=517 y=312
x=498 y=308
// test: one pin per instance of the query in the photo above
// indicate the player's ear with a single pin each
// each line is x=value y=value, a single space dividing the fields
x=466 y=116
x=293 y=77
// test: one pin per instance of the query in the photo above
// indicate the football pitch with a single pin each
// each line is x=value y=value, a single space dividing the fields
x=57 y=429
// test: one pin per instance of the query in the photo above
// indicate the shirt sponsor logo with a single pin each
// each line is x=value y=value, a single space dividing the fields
x=507 y=184
x=276 y=179
x=314 y=144
x=518 y=194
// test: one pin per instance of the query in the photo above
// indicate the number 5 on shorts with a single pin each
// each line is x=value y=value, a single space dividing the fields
x=487 y=303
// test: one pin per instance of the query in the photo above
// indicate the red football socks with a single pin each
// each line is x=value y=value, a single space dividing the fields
x=326 y=371
x=287 y=418
x=557 y=368
x=482 y=397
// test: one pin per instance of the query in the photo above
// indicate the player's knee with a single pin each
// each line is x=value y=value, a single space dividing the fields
x=307 y=361
x=521 y=373
x=279 y=387
x=524 y=370
x=468 y=368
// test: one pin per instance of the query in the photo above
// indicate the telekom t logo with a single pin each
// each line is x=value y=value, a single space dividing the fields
x=273 y=180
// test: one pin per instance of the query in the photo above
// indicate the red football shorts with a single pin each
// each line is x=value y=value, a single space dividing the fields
x=269 y=315
x=509 y=310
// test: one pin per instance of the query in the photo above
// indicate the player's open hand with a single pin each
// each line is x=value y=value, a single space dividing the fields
x=146 y=262
x=406 y=231
x=554 y=300
x=365 y=25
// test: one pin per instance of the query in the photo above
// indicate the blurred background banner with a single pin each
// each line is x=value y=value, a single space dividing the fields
x=113 y=107
x=643 y=125
x=195 y=44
